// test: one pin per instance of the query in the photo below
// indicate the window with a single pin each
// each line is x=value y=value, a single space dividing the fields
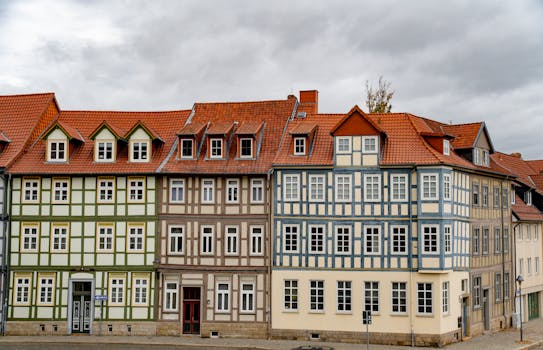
x=170 y=296
x=105 y=238
x=528 y=197
x=445 y=297
x=371 y=296
x=140 y=151
x=31 y=188
x=498 y=286
x=60 y=191
x=505 y=195
x=290 y=295
x=521 y=266
x=46 y=290
x=506 y=239
x=343 y=145
x=247 y=297
x=59 y=238
x=399 y=188
x=57 y=151
x=316 y=238
x=430 y=239
x=215 y=148
x=497 y=241
x=399 y=297
x=106 y=188
x=343 y=188
x=104 y=151
x=135 y=238
x=486 y=240
x=208 y=191
x=257 y=190
x=476 y=241
x=446 y=147
x=316 y=188
x=222 y=297
x=529 y=266
x=30 y=238
x=447 y=239
x=136 y=188
x=231 y=246
x=536 y=265
x=316 y=296
x=140 y=291
x=476 y=156
x=257 y=240
x=176 y=240
x=372 y=238
x=232 y=191
x=299 y=146
x=291 y=190
x=116 y=294
x=477 y=292
x=506 y=285
x=343 y=240
x=496 y=197
x=475 y=195
x=399 y=239
x=528 y=233
x=177 y=191
x=370 y=144
x=424 y=298
x=485 y=157
x=513 y=196
x=447 y=187
x=207 y=240
x=187 y=148
x=372 y=188
x=246 y=148
x=22 y=288
x=485 y=196
x=290 y=234
x=344 y=296
x=429 y=186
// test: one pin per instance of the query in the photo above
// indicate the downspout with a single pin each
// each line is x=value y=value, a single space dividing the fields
x=504 y=205
x=515 y=264
x=270 y=252
x=6 y=218
x=411 y=260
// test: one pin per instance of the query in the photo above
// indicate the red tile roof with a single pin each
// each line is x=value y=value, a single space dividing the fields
x=303 y=129
x=220 y=128
x=516 y=165
x=273 y=114
x=526 y=212
x=81 y=159
x=192 y=129
x=69 y=130
x=249 y=128
x=465 y=135
x=117 y=132
x=536 y=164
x=20 y=117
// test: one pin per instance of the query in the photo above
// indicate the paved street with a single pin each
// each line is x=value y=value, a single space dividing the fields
x=94 y=346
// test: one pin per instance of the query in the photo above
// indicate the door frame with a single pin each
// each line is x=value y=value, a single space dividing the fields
x=182 y=313
x=70 y=297
x=486 y=309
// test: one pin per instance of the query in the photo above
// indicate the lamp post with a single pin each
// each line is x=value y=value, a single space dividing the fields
x=519 y=280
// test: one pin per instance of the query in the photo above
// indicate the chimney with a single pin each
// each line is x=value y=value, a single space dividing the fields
x=309 y=101
x=516 y=155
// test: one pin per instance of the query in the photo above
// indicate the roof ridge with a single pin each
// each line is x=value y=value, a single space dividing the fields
x=238 y=102
x=31 y=94
x=113 y=111
x=430 y=149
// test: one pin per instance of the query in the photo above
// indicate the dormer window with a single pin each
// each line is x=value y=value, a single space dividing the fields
x=215 y=148
x=343 y=145
x=485 y=157
x=476 y=156
x=299 y=146
x=528 y=197
x=57 y=151
x=187 y=148
x=446 y=147
x=139 y=151
x=370 y=144
x=246 y=148
x=104 y=151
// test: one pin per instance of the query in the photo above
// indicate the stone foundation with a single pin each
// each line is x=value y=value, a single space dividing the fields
x=436 y=340
x=60 y=328
x=168 y=328
x=254 y=330
x=36 y=327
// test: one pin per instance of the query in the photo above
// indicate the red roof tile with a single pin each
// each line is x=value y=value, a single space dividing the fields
x=220 y=128
x=69 y=130
x=303 y=129
x=148 y=129
x=249 y=128
x=117 y=132
x=517 y=166
x=537 y=165
x=526 y=212
x=465 y=135
x=192 y=129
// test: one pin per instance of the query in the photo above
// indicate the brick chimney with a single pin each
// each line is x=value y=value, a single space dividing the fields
x=516 y=155
x=309 y=101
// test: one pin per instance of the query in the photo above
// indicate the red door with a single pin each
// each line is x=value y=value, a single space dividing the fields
x=191 y=310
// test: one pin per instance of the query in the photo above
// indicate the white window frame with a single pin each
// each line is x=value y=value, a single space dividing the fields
x=484 y=195
x=366 y=146
x=105 y=233
x=368 y=250
x=176 y=237
x=106 y=190
x=293 y=194
x=59 y=238
x=30 y=238
x=23 y=288
x=343 y=188
x=425 y=302
x=117 y=289
x=257 y=191
x=498 y=286
x=398 y=294
x=231 y=241
x=398 y=236
x=429 y=249
x=140 y=151
x=105 y=151
x=31 y=190
x=290 y=295
x=344 y=148
x=316 y=296
x=317 y=188
x=57 y=154
x=256 y=240
x=294 y=238
x=447 y=239
x=247 y=298
x=232 y=191
x=222 y=297
x=476 y=156
x=140 y=291
x=398 y=183
x=135 y=241
x=177 y=191
x=447 y=187
x=183 y=141
x=171 y=296
x=215 y=145
x=241 y=141
x=486 y=157
x=343 y=236
x=344 y=297
x=208 y=191
x=528 y=198
x=314 y=233
x=46 y=290
x=445 y=297
x=62 y=188
x=429 y=181
x=446 y=147
x=369 y=188
x=207 y=240
x=136 y=190
x=300 y=146
x=371 y=297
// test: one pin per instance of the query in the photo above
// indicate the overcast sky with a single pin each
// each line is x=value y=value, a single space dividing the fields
x=453 y=61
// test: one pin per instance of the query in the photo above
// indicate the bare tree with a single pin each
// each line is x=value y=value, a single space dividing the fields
x=378 y=101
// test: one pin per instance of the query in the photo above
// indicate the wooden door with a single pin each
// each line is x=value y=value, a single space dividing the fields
x=191 y=310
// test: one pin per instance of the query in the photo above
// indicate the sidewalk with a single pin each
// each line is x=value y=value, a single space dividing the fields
x=505 y=340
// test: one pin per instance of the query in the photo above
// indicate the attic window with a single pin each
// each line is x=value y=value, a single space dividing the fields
x=140 y=151
x=343 y=145
x=299 y=146
x=370 y=144
x=485 y=157
x=246 y=148
x=104 y=151
x=186 y=148
x=528 y=197
x=215 y=148
x=57 y=151
x=446 y=147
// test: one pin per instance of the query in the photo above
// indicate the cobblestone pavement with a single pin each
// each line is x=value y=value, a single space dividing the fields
x=503 y=340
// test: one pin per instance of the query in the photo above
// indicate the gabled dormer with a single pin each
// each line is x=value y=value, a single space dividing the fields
x=4 y=141
x=106 y=139
x=248 y=137
x=441 y=142
x=303 y=135
x=472 y=142
x=140 y=143
x=217 y=139
x=357 y=140
x=61 y=140
x=190 y=138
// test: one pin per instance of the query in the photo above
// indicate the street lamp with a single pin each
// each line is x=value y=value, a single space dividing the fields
x=519 y=280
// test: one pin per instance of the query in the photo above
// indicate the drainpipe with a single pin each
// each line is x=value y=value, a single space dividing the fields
x=515 y=263
x=411 y=260
x=6 y=218
x=270 y=252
